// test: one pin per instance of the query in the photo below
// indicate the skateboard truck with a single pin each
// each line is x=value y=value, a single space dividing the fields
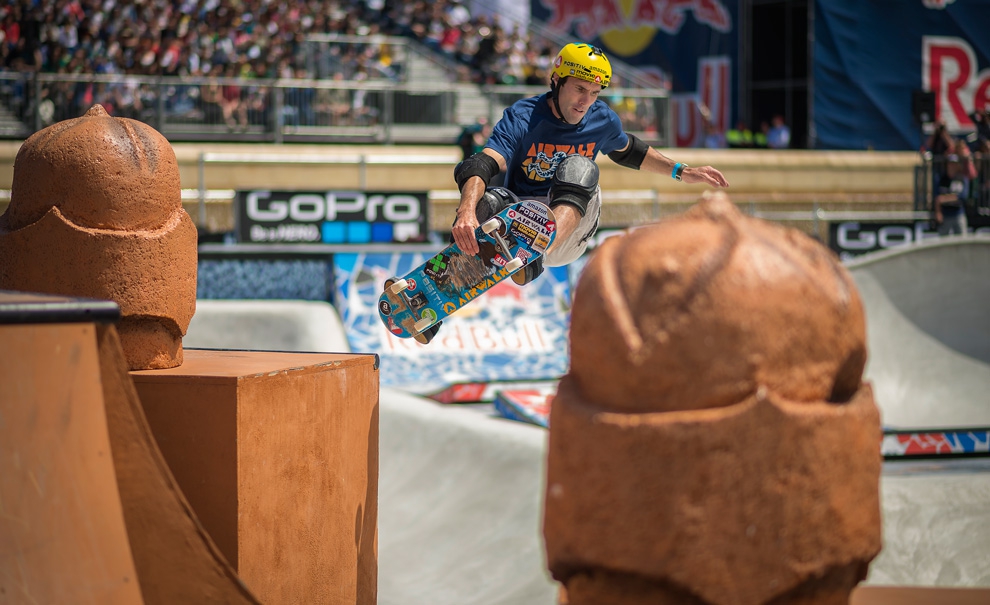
x=397 y=287
x=491 y=227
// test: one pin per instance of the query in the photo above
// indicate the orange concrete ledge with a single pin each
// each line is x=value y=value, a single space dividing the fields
x=918 y=595
x=277 y=453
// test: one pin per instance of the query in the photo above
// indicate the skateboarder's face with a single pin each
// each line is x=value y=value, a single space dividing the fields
x=575 y=97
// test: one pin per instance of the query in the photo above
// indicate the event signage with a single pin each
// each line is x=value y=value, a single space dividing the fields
x=868 y=67
x=852 y=238
x=331 y=217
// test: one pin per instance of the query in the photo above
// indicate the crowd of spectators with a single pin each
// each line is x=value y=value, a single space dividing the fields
x=260 y=38
x=249 y=39
x=960 y=170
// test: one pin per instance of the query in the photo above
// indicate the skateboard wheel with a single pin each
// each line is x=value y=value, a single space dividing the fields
x=514 y=264
x=422 y=324
x=398 y=286
x=490 y=225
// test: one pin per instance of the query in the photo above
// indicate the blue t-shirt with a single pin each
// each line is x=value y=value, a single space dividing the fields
x=533 y=141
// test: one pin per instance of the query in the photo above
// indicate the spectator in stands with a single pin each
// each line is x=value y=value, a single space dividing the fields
x=298 y=105
x=204 y=38
x=940 y=142
x=233 y=107
x=981 y=186
x=761 y=136
x=740 y=137
x=473 y=137
x=952 y=194
x=714 y=138
x=779 y=135
x=936 y=149
x=333 y=105
x=981 y=119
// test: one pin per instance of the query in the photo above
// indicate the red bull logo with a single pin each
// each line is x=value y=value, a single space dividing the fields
x=950 y=69
x=594 y=17
x=712 y=98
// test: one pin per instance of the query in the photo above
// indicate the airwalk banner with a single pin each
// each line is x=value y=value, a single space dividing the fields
x=871 y=56
x=510 y=333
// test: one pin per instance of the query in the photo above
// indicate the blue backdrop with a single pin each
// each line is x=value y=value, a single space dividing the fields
x=871 y=55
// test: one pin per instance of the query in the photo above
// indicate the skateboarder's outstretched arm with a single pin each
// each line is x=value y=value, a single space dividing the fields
x=661 y=164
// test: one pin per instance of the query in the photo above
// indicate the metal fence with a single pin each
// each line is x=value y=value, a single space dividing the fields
x=926 y=181
x=287 y=110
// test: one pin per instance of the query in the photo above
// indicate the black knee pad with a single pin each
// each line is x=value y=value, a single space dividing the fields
x=495 y=200
x=574 y=182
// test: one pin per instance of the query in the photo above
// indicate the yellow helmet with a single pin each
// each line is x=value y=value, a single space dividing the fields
x=584 y=62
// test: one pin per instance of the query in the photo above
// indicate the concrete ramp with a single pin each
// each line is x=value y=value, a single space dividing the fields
x=267 y=325
x=460 y=514
x=90 y=511
x=62 y=533
x=928 y=325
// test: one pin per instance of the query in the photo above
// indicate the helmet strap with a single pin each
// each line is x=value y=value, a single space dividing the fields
x=554 y=96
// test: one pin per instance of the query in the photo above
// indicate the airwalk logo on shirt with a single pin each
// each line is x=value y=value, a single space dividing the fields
x=542 y=158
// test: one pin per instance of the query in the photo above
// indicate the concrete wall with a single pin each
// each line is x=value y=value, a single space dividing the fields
x=789 y=180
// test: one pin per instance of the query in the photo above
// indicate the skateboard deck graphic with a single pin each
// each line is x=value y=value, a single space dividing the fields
x=510 y=240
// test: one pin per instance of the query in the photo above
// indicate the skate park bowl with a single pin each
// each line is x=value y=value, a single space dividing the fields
x=461 y=489
x=275 y=325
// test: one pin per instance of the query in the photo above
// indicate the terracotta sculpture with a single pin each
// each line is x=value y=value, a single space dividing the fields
x=96 y=211
x=713 y=441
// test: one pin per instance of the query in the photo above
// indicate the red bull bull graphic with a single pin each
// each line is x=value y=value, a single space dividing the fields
x=689 y=46
x=592 y=17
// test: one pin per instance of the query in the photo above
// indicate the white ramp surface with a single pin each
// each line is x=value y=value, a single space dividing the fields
x=460 y=511
x=461 y=492
x=267 y=325
x=928 y=326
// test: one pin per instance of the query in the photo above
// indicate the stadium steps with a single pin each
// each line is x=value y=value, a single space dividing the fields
x=471 y=102
x=10 y=125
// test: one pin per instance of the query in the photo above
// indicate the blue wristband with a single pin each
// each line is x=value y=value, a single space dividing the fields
x=673 y=173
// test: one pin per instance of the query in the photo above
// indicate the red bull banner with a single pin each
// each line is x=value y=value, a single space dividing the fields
x=872 y=56
x=688 y=46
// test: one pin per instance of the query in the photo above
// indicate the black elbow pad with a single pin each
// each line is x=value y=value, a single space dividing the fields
x=634 y=154
x=478 y=164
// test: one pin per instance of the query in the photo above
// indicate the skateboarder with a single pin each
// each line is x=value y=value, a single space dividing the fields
x=547 y=145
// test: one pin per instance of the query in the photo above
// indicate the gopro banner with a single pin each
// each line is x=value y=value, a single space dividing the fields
x=330 y=217
x=852 y=238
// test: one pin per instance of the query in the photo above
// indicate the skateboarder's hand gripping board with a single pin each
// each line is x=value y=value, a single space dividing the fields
x=413 y=306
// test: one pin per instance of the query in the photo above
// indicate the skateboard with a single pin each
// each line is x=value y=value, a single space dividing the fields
x=510 y=240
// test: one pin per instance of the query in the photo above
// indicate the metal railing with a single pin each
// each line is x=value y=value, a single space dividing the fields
x=926 y=182
x=284 y=110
